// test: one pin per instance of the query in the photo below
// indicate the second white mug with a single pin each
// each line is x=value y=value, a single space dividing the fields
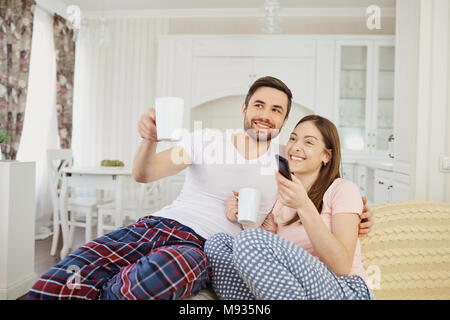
x=248 y=205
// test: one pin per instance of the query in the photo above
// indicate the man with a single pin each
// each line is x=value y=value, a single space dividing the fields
x=162 y=256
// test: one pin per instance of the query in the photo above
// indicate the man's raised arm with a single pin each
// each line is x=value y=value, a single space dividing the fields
x=150 y=166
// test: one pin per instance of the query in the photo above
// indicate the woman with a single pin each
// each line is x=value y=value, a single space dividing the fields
x=308 y=247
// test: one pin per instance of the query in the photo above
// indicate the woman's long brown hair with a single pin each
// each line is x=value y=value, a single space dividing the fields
x=331 y=171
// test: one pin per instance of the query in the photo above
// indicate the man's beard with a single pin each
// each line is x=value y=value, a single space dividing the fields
x=257 y=134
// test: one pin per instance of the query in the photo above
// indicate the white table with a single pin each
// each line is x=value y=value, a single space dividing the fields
x=98 y=178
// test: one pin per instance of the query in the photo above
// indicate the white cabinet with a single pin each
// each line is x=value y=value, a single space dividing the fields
x=217 y=77
x=383 y=99
x=365 y=95
x=401 y=187
x=297 y=73
x=382 y=187
x=17 y=215
x=361 y=179
x=390 y=187
x=348 y=171
x=227 y=66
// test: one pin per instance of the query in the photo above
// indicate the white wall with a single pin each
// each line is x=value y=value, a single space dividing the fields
x=432 y=107
x=447 y=136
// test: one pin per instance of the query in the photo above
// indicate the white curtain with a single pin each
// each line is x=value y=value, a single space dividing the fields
x=114 y=84
x=40 y=128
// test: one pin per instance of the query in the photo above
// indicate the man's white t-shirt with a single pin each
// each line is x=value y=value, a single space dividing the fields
x=216 y=169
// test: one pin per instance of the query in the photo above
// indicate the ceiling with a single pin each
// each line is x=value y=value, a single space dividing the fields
x=94 y=5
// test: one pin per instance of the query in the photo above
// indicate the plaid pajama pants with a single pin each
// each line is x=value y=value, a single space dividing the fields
x=155 y=258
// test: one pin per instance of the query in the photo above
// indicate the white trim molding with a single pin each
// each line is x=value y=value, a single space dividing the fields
x=234 y=13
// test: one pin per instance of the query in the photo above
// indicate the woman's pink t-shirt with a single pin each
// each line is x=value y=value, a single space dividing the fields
x=341 y=197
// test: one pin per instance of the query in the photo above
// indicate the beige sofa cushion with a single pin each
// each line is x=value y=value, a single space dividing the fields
x=407 y=254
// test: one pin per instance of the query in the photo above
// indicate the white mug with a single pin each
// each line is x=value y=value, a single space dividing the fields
x=248 y=206
x=169 y=117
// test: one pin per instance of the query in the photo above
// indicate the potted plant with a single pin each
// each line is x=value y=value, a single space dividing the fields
x=4 y=137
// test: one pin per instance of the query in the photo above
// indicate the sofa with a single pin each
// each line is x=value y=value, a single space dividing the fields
x=406 y=255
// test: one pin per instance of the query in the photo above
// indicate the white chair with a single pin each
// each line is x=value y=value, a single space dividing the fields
x=57 y=160
x=144 y=201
